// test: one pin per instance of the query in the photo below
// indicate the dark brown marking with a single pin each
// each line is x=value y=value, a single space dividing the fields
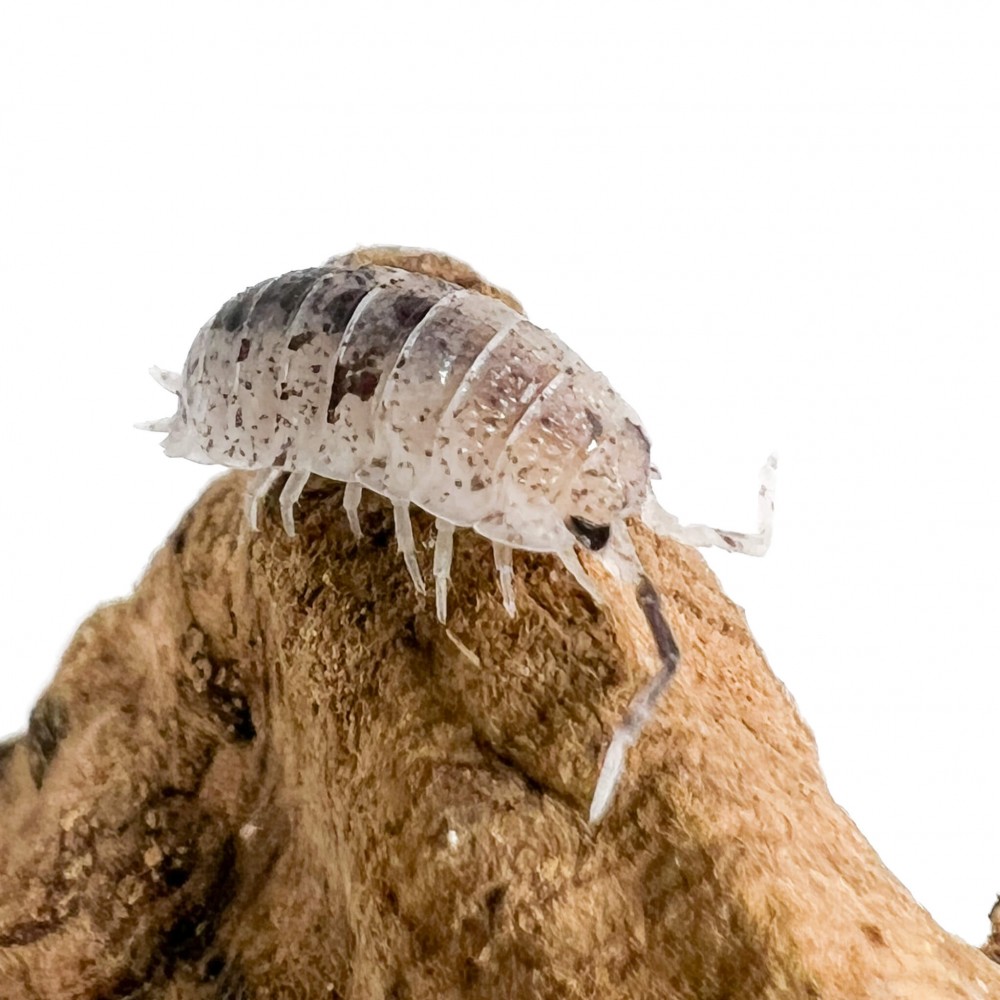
x=410 y=309
x=234 y=313
x=874 y=935
x=244 y=350
x=362 y=384
x=280 y=300
x=589 y=535
x=341 y=308
x=301 y=339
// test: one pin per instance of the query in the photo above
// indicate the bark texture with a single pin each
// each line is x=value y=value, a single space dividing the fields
x=272 y=773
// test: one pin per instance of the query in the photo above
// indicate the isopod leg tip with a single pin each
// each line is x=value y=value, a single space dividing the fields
x=441 y=600
x=162 y=426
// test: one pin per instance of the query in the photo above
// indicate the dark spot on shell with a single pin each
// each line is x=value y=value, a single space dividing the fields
x=410 y=309
x=589 y=535
x=244 y=350
x=234 y=313
x=280 y=300
x=341 y=307
x=477 y=483
x=239 y=416
x=363 y=384
x=301 y=339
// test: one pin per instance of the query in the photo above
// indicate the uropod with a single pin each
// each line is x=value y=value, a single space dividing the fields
x=403 y=372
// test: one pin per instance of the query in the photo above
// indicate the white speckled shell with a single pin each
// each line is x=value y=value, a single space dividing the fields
x=418 y=389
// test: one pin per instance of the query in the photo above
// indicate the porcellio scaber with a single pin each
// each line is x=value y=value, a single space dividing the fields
x=403 y=372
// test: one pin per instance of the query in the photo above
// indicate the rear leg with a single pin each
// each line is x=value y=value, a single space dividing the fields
x=503 y=558
x=290 y=494
x=404 y=539
x=756 y=544
x=260 y=486
x=352 y=500
x=443 y=548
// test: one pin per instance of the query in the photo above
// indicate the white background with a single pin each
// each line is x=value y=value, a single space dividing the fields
x=774 y=226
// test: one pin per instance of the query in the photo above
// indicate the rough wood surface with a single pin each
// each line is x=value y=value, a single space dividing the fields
x=272 y=773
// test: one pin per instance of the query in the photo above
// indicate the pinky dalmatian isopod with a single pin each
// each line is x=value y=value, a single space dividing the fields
x=402 y=372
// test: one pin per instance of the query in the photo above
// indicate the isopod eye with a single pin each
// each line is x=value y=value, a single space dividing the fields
x=590 y=535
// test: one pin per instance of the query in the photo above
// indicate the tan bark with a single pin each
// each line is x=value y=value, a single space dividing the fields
x=272 y=773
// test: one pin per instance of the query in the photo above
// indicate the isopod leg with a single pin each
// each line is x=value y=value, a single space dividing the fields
x=503 y=557
x=756 y=544
x=443 y=547
x=404 y=539
x=259 y=486
x=620 y=556
x=290 y=494
x=640 y=711
x=352 y=500
x=571 y=561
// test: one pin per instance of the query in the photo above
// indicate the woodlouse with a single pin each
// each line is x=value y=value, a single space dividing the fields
x=403 y=372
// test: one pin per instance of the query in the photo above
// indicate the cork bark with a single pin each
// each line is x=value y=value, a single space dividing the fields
x=270 y=772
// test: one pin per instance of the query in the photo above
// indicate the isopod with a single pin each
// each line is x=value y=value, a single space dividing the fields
x=403 y=372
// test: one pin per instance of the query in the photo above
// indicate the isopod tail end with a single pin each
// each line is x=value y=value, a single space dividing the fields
x=171 y=381
x=162 y=426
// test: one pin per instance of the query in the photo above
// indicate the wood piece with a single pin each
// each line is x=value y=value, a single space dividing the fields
x=271 y=772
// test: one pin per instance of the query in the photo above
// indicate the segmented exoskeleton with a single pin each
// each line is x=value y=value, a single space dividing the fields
x=404 y=373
